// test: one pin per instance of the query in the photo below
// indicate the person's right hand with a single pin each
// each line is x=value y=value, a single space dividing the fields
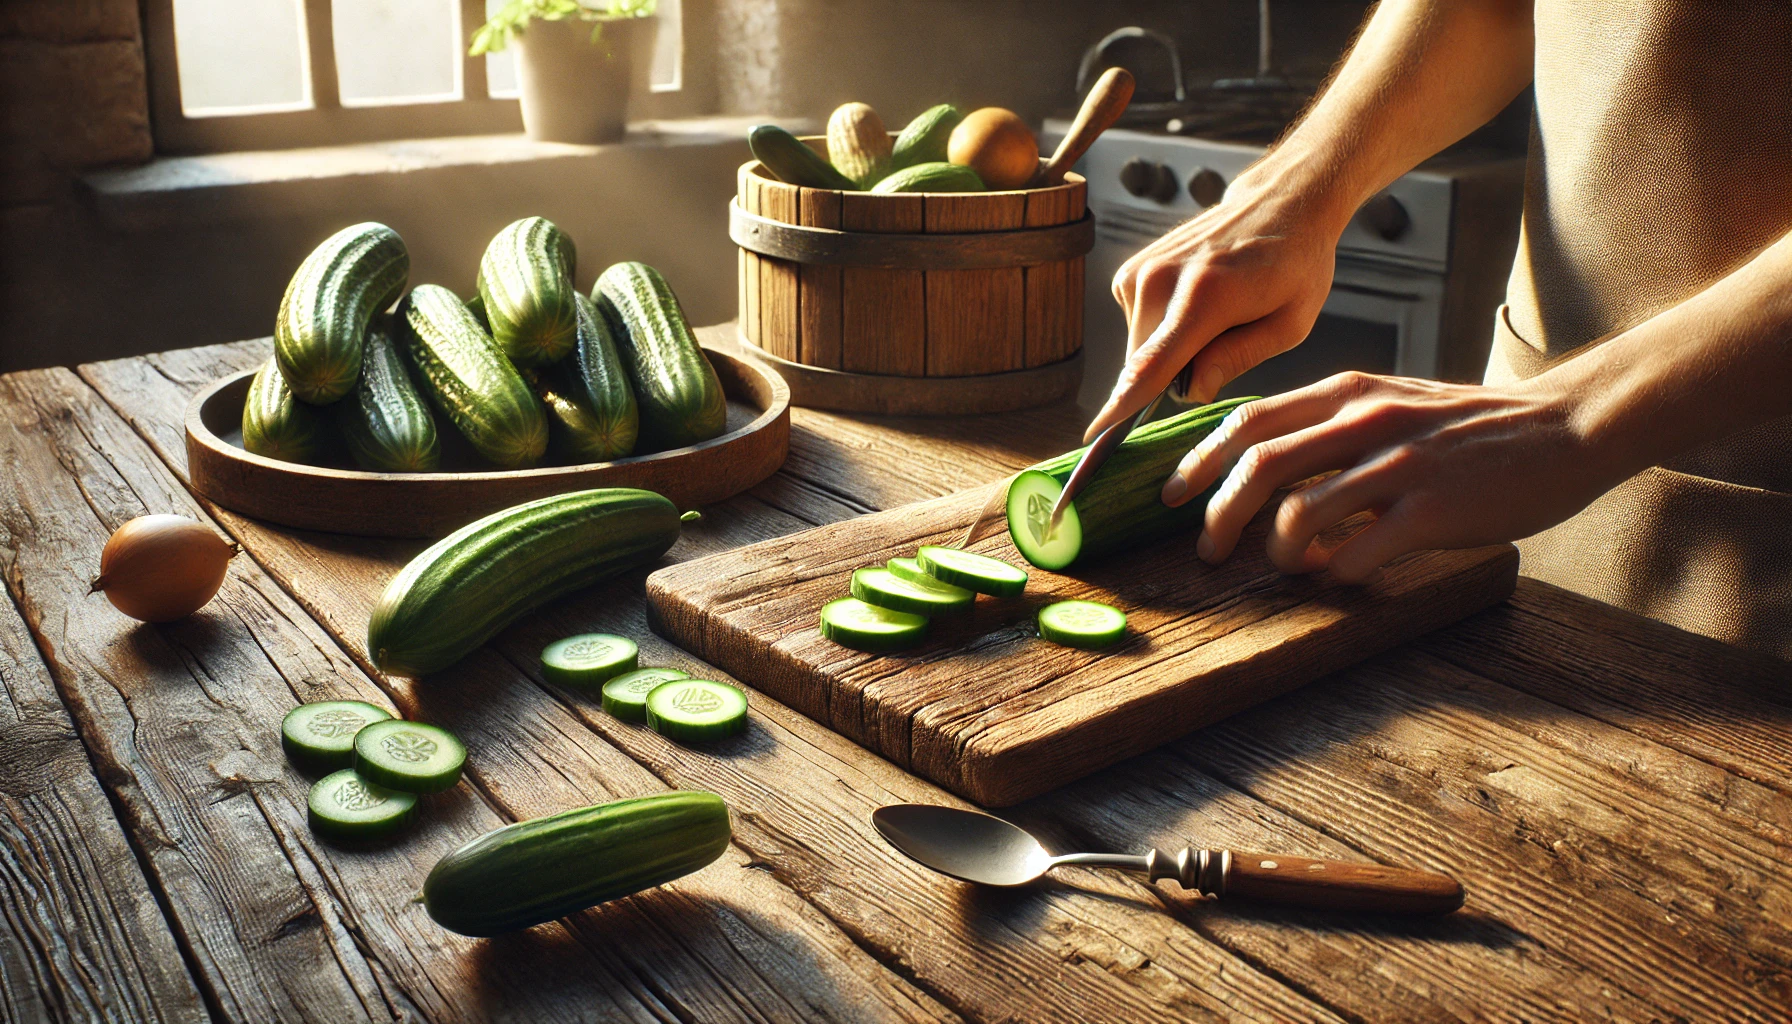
x=1240 y=283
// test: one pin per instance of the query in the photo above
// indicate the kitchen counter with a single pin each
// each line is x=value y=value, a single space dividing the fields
x=1615 y=795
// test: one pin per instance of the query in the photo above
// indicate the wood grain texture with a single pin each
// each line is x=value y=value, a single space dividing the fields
x=884 y=312
x=819 y=290
x=780 y=321
x=749 y=265
x=81 y=935
x=1054 y=291
x=994 y=713
x=815 y=387
x=1010 y=247
x=976 y=319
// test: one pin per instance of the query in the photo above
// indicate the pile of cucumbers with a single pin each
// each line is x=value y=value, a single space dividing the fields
x=862 y=157
x=528 y=369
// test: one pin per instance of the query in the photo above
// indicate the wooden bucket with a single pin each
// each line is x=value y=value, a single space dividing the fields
x=914 y=303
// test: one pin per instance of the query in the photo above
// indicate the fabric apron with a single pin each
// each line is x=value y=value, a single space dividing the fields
x=1660 y=161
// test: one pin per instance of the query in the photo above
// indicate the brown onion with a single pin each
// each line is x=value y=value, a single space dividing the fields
x=161 y=568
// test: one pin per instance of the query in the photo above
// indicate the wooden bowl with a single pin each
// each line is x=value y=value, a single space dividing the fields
x=346 y=500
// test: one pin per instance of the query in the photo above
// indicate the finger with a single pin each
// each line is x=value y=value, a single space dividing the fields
x=1192 y=322
x=1234 y=351
x=1254 y=423
x=1399 y=532
x=1293 y=541
x=1265 y=468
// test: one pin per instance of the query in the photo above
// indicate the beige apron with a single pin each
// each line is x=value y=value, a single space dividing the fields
x=1661 y=160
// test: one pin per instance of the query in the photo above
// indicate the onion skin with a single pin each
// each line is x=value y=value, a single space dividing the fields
x=161 y=568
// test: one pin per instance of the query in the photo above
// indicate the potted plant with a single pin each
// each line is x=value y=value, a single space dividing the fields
x=575 y=62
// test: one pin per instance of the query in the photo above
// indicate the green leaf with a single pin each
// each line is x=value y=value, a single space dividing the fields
x=498 y=32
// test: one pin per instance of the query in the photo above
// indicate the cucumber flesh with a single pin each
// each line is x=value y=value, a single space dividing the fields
x=696 y=710
x=852 y=623
x=320 y=738
x=588 y=659
x=409 y=756
x=343 y=805
x=1090 y=625
x=1030 y=500
x=910 y=570
x=885 y=589
x=971 y=571
x=626 y=695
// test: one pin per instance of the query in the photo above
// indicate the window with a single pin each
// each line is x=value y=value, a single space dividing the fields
x=275 y=74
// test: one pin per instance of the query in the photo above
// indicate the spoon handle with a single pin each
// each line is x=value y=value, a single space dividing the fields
x=1103 y=106
x=1303 y=882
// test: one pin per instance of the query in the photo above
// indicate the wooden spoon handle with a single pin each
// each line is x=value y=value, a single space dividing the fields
x=1338 y=885
x=1101 y=108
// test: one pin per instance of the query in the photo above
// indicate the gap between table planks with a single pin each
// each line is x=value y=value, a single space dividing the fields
x=1481 y=963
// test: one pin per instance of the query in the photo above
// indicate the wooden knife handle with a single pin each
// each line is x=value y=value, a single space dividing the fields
x=1302 y=882
x=1103 y=106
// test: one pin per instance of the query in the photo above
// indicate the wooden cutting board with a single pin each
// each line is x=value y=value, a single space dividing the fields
x=994 y=713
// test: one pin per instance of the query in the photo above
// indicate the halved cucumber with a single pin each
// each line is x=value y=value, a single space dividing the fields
x=885 y=589
x=981 y=573
x=1030 y=500
x=626 y=695
x=1090 y=625
x=589 y=658
x=320 y=738
x=409 y=756
x=695 y=710
x=344 y=805
x=852 y=623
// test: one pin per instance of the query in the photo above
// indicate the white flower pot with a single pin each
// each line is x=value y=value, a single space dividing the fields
x=574 y=90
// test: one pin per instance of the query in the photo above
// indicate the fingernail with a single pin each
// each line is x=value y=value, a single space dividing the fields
x=1174 y=489
x=1204 y=547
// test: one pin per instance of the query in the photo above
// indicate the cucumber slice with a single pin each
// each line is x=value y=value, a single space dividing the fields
x=981 y=573
x=852 y=623
x=320 y=738
x=1030 y=500
x=343 y=805
x=589 y=658
x=409 y=756
x=1086 y=624
x=626 y=695
x=885 y=589
x=695 y=710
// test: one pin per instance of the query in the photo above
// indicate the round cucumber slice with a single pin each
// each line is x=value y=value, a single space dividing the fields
x=971 y=571
x=1030 y=500
x=1086 y=624
x=852 y=623
x=626 y=695
x=695 y=710
x=588 y=659
x=320 y=738
x=910 y=570
x=409 y=756
x=343 y=805
x=885 y=589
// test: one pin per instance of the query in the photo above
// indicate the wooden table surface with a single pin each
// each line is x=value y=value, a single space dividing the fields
x=1615 y=795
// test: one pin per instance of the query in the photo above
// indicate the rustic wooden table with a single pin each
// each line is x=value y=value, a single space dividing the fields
x=1615 y=795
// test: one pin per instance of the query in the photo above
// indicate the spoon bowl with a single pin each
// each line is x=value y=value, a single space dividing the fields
x=969 y=846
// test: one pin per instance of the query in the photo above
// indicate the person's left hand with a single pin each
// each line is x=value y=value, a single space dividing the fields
x=1439 y=465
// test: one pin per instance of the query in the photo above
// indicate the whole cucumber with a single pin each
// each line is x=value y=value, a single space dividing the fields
x=471 y=382
x=924 y=140
x=680 y=397
x=792 y=161
x=279 y=426
x=356 y=272
x=931 y=177
x=386 y=422
x=526 y=291
x=592 y=413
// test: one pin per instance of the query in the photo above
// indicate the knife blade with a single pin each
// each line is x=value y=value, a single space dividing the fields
x=1109 y=439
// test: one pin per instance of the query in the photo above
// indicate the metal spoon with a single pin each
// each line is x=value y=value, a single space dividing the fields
x=979 y=848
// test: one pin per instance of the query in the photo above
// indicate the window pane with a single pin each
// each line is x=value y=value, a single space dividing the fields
x=396 y=51
x=500 y=67
x=238 y=56
x=668 y=47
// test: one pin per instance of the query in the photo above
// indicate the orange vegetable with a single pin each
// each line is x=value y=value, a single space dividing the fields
x=996 y=144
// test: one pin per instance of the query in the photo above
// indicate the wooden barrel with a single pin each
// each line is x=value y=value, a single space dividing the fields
x=914 y=286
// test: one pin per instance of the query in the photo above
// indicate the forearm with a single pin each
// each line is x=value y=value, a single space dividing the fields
x=1423 y=74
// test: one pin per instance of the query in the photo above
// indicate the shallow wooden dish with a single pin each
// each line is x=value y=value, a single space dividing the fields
x=347 y=500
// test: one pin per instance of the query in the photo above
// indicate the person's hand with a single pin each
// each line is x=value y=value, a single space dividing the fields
x=1240 y=283
x=1439 y=465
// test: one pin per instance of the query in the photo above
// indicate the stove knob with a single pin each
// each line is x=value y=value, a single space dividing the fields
x=1138 y=176
x=1206 y=186
x=1164 y=186
x=1386 y=217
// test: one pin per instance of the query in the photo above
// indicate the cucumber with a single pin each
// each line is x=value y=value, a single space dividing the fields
x=923 y=141
x=320 y=738
x=972 y=571
x=471 y=382
x=852 y=623
x=696 y=710
x=343 y=805
x=536 y=871
x=931 y=177
x=680 y=397
x=279 y=426
x=1123 y=504
x=791 y=160
x=409 y=757
x=592 y=413
x=1090 y=625
x=472 y=583
x=385 y=422
x=588 y=659
x=881 y=587
x=323 y=316
x=626 y=695
x=858 y=145
x=526 y=291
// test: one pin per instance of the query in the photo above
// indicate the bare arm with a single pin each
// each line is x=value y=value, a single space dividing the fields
x=1245 y=280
